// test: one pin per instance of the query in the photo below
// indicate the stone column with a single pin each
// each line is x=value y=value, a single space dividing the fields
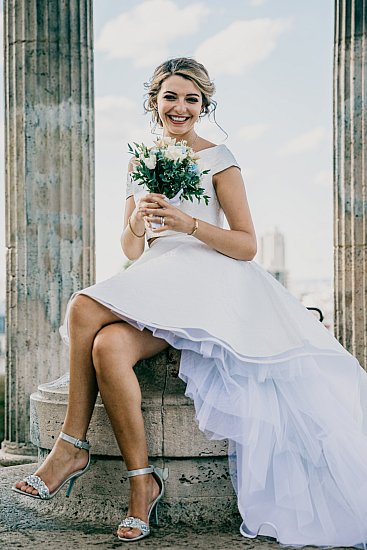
x=49 y=148
x=350 y=176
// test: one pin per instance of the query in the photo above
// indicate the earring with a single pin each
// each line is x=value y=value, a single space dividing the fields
x=153 y=127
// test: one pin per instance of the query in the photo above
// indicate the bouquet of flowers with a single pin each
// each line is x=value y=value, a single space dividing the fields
x=170 y=168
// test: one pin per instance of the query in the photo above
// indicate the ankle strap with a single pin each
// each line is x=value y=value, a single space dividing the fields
x=140 y=472
x=78 y=443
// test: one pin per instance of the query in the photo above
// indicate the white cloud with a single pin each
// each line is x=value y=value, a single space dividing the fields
x=257 y=2
x=116 y=118
x=324 y=178
x=241 y=45
x=306 y=141
x=119 y=121
x=144 y=33
x=252 y=132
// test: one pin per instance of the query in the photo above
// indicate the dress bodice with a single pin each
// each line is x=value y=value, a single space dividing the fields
x=215 y=159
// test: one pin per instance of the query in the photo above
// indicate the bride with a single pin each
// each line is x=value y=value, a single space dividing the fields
x=262 y=371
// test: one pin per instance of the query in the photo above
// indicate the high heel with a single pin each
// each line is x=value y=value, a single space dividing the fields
x=37 y=483
x=160 y=476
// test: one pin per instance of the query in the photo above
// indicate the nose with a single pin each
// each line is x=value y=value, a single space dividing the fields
x=180 y=107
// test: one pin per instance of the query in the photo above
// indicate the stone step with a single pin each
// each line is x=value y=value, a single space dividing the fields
x=169 y=415
x=197 y=489
x=199 y=485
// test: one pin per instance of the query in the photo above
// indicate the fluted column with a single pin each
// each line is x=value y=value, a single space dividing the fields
x=49 y=148
x=350 y=176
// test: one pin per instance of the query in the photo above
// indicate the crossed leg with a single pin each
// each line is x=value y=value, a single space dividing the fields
x=103 y=352
x=116 y=350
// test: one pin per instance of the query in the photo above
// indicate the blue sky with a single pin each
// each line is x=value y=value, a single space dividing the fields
x=271 y=61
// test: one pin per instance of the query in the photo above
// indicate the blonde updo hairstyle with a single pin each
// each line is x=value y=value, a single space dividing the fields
x=187 y=68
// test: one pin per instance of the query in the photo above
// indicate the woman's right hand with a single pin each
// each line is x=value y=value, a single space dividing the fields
x=147 y=201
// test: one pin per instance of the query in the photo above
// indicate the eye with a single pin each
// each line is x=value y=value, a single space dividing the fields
x=169 y=97
x=192 y=99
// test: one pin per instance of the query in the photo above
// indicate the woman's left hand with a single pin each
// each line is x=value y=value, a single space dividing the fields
x=174 y=218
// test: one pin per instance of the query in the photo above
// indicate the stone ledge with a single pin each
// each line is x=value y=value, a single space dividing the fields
x=196 y=490
x=199 y=486
x=169 y=415
x=8 y=459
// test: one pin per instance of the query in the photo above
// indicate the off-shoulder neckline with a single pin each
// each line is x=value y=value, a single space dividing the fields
x=209 y=148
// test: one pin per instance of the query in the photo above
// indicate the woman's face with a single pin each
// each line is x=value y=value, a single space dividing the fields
x=179 y=103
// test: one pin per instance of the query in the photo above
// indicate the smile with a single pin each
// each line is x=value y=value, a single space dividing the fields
x=178 y=119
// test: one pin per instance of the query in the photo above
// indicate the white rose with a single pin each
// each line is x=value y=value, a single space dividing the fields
x=164 y=141
x=174 y=153
x=168 y=140
x=151 y=162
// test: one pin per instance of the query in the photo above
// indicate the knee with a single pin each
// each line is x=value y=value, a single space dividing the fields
x=80 y=310
x=114 y=344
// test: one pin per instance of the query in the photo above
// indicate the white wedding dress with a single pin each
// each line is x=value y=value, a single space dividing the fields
x=263 y=372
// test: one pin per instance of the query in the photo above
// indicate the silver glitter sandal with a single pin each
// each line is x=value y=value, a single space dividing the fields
x=37 y=483
x=160 y=476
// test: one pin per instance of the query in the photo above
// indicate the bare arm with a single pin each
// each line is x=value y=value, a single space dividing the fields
x=240 y=241
x=131 y=244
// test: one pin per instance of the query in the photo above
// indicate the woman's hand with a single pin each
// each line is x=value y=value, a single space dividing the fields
x=147 y=201
x=153 y=207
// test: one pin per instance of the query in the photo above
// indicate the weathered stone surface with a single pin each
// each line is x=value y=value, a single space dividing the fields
x=22 y=526
x=49 y=145
x=350 y=177
x=199 y=485
x=198 y=489
x=11 y=459
x=169 y=415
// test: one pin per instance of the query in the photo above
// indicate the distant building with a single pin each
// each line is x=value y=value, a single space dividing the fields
x=272 y=254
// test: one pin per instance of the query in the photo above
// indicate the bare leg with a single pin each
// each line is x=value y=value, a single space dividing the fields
x=87 y=317
x=116 y=350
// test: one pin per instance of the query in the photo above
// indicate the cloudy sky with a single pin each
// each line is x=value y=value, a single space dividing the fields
x=271 y=61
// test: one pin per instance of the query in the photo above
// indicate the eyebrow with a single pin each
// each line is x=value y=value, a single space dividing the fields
x=174 y=93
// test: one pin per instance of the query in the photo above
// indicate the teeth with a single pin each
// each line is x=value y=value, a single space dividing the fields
x=178 y=118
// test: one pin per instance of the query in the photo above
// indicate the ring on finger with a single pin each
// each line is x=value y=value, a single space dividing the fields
x=162 y=220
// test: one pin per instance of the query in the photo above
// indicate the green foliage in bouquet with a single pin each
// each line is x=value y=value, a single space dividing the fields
x=168 y=168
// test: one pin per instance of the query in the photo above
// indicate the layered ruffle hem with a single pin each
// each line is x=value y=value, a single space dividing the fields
x=264 y=374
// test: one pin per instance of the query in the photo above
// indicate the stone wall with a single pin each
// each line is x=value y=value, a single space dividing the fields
x=2 y=385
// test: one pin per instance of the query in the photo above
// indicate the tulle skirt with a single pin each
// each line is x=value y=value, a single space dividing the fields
x=264 y=374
